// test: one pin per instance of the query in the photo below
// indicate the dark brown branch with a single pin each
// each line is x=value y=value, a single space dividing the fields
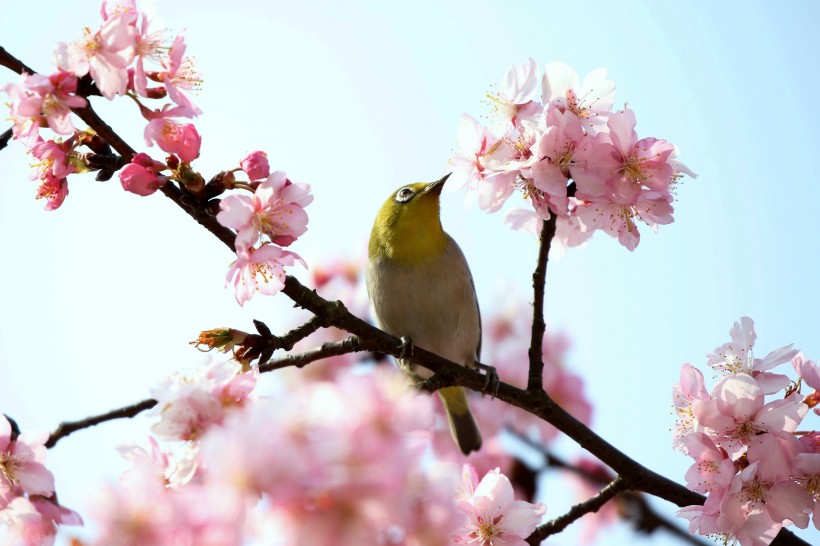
x=645 y=518
x=348 y=345
x=5 y=137
x=67 y=427
x=299 y=360
x=539 y=276
x=594 y=504
x=13 y=63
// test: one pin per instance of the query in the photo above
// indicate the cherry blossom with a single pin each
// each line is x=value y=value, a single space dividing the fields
x=737 y=357
x=22 y=468
x=37 y=98
x=590 y=102
x=276 y=210
x=495 y=515
x=104 y=54
x=174 y=138
x=513 y=101
x=180 y=76
x=190 y=404
x=260 y=270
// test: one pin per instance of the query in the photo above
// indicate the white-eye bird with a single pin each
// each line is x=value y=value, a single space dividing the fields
x=421 y=288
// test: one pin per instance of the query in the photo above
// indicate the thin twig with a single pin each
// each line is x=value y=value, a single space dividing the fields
x=67 y=427
x=299 y=360
x=348 y=345
x=614 y=488
x=536 y=374
x=645 y=518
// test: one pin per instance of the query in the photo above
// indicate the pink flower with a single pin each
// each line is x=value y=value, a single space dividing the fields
x=513 y=101
x=174 y=138
x=684 y=394
x=52 y=171
x=191 y=405
x=555 y=149
x=276 y=209
x=54 y=161
x=495 y=516
x=255 y=165
x=628 y=165
x=470 y=165
x=140 y=176
x=753 y=503
x=737 y=411
x=116 y=8
x=39 y=98
x=736 y=357
x=713 y=470
x=54 y=190
x=618 y=220
x=260 y=270
x=106 y=54
x=590 y=102
x=22 y=468
x=180 y=75
x=148 y=45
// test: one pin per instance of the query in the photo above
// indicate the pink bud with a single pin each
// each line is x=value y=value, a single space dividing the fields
x=140 y=180
x=256 y=165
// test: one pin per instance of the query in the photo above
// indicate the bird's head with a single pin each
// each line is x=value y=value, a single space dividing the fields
x=408 y=229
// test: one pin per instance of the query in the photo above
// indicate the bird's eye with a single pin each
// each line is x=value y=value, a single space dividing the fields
x=404 y=195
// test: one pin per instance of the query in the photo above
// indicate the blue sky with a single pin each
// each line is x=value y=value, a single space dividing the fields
x=358 y=98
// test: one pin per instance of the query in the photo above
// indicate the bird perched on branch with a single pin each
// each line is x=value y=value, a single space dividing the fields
x=422 y=290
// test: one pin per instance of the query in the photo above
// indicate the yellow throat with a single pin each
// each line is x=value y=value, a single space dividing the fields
x=407 y=229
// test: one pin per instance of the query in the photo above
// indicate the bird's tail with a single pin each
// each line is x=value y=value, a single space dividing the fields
x=462 y=423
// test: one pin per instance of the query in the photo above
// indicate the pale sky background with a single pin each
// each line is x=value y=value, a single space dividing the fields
x=100 y=298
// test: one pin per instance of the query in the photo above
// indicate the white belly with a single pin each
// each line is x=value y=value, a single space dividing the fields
x=433 y=304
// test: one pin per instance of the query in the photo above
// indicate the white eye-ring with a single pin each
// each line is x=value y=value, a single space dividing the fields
x=404 y=195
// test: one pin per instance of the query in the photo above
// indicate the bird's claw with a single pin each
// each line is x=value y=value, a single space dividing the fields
x=406 y=347
x=492 y=380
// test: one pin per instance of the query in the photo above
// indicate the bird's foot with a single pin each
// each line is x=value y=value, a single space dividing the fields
x=434 y=383
x=492 y=380
x=406 y=347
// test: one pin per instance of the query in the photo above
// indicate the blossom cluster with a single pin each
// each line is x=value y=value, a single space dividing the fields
x=128 y=56
x=569 y=155
x=759 y=467
x=272 y=217
x=28 y=504
x=338 y=462
x=117 y=59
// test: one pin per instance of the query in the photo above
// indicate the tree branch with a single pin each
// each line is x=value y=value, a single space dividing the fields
x=13 y=63
x=299 y=360
x=616 y=487
x=539 y=276
x=67 y=427
x=5 y=137
x=645 y=518
x=348 y=345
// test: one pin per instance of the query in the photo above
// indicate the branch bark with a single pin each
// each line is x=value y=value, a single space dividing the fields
x=535 y=380
x=615 y=488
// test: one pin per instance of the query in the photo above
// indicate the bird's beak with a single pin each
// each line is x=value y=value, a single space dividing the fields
x=436 y=187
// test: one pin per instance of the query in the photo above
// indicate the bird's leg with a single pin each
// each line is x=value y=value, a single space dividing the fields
x=492 y=380
x=406 y=347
